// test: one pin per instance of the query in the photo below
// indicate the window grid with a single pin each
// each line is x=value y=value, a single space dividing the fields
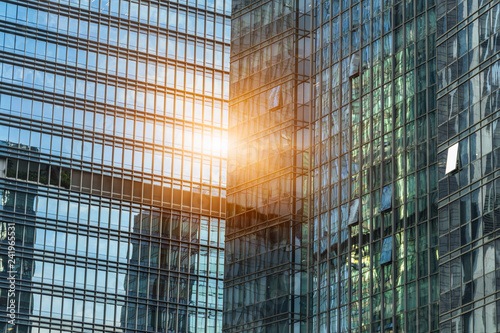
x=88 y=126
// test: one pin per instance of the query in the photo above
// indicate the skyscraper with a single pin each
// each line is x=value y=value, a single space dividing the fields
x=373 y=226
x=357 y=247
x=468 y=77
x=113 y=118
x=266 y=242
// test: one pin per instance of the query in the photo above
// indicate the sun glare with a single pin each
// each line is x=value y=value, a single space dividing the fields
x=215 y=145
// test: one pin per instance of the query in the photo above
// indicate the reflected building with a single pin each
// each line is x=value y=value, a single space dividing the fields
x=349 y=89
x=373 y=226
x=468 y=79
x=17 y=205
x=113 y=118
x=267 y=233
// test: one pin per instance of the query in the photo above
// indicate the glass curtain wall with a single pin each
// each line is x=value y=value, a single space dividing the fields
x=469 y=185
x=113 y=130
x=266 y=242
x=373 y=227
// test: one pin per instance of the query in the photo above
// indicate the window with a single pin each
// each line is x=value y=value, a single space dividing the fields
x=353 y=212
x=386 y=255
x=354 y=65
x=386 y=202
x=452 y=160
x=3 y=167
x=275 y=99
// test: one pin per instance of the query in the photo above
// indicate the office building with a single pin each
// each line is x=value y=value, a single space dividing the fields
x=468 y=78
x=334 y=226
x=113 y=118
x=266 y=239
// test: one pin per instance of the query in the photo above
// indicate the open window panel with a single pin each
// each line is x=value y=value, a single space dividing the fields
x=354 y=65
x=452 y=159
x=275 y=98
x=354 y=213
x=386 y=255
x=386 y=202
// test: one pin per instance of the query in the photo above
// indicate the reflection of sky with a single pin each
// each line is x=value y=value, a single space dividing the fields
x=204 y=140
x=160 y=113
x=137 y=159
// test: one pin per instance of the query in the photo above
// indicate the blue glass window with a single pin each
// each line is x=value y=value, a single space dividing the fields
x=386 y=255
x=386 y=203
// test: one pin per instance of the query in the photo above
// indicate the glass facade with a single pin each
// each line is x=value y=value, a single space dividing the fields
x=266 y=239
x=364 y=148
x=469 y=185
x=373 y=226
x=113 y=123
